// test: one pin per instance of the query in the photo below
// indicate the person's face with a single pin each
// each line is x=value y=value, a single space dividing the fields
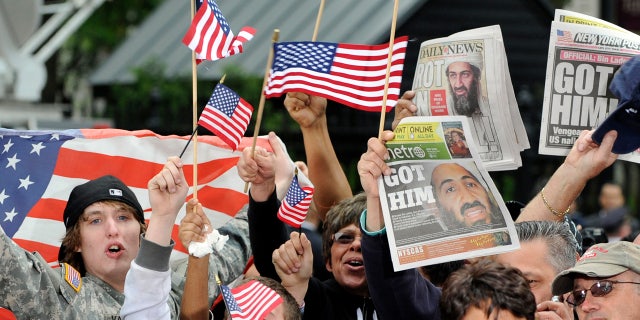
x=611 y=197
x=621 y=303
x=347 y=264
x=109 y=241
x=461 y=195
x=460 y=78
x=475 y=313
x=455 y=136
x=531 y=259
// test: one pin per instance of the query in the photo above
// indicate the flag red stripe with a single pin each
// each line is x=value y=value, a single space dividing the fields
x=334 y=83
x=192 y=29
x=48 y=209
x=223 y=200
x=88 y=165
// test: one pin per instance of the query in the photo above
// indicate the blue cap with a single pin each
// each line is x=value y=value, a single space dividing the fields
x=626 y=118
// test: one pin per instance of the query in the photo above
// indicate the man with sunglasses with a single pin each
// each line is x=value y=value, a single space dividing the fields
x=604 y=283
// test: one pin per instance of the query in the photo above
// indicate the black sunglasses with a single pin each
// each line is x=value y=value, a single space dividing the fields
x=344 y=237
x=598 y=289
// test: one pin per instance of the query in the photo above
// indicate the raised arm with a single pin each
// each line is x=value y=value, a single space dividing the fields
x=396 y=295
x=148 y=282
x=266 y=231
x=585 y=161
x=294 y=263
x=195 y=302
x=325 y=172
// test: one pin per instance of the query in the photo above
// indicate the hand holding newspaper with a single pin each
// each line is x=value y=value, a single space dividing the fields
x=467 y=74
x=440 y=204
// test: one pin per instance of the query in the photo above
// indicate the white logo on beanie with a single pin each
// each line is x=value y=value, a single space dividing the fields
x=115 y=192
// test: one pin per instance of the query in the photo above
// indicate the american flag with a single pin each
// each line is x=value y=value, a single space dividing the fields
x=226 y=115
x=211 y=37
x=564 y=36
x=295 y=205
x=38 y=169
x=251 y=300
x=351 y=74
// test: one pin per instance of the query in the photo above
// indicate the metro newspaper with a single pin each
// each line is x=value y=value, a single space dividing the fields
x=432 y=159
x=583 y=57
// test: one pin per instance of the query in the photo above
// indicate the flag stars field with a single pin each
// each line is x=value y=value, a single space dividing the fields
x=13 y=161
x=3 y=196
x=37 y=147
x=25 y=183
x=10 y=215
x=7 y=146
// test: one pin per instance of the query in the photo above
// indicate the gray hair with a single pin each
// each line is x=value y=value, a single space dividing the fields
x=560 y=241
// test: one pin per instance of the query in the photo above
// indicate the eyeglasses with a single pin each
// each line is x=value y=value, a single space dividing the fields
x=344 y=237
x=598 y=289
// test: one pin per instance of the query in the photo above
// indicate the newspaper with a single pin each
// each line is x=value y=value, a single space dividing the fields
x=584 y=53
x=440 y=204
x=467 y=74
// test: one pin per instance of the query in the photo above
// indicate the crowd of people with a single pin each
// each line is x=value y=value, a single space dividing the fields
x=338 y=266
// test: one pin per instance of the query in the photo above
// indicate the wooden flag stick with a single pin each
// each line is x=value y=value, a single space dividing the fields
x=194 y=99
x=392 y=36
x=317 y=27
x=256 y=131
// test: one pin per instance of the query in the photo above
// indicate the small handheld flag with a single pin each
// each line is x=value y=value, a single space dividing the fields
x=226 y=115
x=249 y=301
x=295 y=205
x=211 y=37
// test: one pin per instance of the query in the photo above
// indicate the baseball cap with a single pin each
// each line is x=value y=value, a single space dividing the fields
x=602 y=260
x=625 y=119
x=100 y=189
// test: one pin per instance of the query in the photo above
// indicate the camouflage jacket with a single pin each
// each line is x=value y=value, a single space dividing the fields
x=31 y=289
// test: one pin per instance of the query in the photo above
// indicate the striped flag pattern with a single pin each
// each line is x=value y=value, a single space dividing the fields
x=226 y=115
x=293 y=209
x=210 y=35
x=38 y=170
x=250 y=301
x=351 y=74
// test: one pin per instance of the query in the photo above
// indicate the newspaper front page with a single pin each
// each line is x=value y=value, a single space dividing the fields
x=466 y=74
x=440 y=203
x=583 y=57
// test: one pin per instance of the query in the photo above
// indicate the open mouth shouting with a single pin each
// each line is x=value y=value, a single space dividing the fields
x=114 y=250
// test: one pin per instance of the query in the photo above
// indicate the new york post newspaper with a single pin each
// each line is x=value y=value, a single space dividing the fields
x=583 y=57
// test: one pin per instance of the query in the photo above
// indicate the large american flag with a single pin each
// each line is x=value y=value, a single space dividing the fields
x=351 y=74
x=295 y=205
x=227 y=115
x=38 y=169
x=250 y=301
x=210 y=35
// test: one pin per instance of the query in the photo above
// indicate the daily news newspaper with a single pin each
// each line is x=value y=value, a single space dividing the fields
x=439 y=203
x=467 y=74
x=584 y=53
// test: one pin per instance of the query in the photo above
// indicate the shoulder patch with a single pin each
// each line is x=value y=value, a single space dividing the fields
x=72 y=276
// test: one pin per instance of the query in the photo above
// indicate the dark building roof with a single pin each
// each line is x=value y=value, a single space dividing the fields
x=160 y=36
